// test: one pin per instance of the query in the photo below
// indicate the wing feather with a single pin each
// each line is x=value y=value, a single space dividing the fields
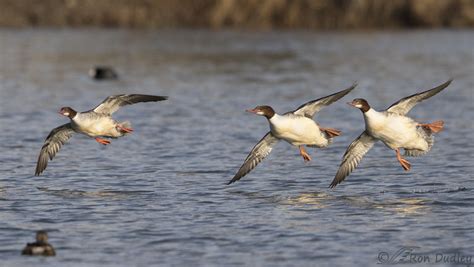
x=404 y=105
x=354 y=154
x=310 y=108
x=56 y=138
x=260 y=151
x=113 y=103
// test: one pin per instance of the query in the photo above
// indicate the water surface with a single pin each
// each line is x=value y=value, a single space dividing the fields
x=159 y=196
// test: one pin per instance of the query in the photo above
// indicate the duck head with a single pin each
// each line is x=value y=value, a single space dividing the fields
x=41 y=237
x=361 y=104
x=266 y=111
x=68 y=112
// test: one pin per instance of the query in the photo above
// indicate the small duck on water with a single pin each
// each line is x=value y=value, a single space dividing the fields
x=41 y=247
x=103 y=73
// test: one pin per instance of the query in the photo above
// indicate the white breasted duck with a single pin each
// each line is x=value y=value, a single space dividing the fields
x=97 y=123
x=295 y=127
x=394 y=129
x=39 y=248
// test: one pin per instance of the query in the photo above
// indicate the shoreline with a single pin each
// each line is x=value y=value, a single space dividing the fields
x=234 y=14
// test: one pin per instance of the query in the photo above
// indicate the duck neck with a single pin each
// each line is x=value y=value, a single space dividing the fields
x=72 y=114
x=273 y=118
x=373 y=116
x=369 y=112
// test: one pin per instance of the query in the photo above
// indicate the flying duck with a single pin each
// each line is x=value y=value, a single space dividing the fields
x=295 y=127
x=394 y=129
x=97 y=123
x=41 y=247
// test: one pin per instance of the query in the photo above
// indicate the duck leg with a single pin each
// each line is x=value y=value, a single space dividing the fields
x=405 y=164
x=124 y=129
x=331 y=132
x=102 y=141
x=305 y=154
x=435 y=127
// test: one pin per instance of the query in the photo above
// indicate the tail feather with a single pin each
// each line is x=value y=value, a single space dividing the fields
x=427 y=134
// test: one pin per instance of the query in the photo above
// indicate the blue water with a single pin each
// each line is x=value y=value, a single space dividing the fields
x=158 y=196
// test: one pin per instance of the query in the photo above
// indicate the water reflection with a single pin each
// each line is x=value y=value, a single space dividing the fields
x=74 y=193
x=317 y=200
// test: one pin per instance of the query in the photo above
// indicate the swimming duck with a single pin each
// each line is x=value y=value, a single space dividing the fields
x=394 y=129
x=41 y=247
x=295 y=127
x=103 y=73
x=97 y=123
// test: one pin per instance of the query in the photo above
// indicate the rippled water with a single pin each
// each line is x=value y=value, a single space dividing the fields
x=159 y=196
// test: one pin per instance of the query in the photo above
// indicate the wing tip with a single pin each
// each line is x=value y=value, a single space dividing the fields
x=40 y=164
x=235 y=178
x=38 y=171
x=40 y=167
x=333 y=184
x=354 y=85
x=349 y=89
x=443 y=85
x=448 y=82
x=155 y=97
x=440 y=87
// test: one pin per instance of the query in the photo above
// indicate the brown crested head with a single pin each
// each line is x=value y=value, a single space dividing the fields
x=68 y=112
x=361 y=104
x=41 y=237
x=266 y=111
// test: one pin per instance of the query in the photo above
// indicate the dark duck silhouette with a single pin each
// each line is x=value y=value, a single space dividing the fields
x=41 y=247
x=103 y=73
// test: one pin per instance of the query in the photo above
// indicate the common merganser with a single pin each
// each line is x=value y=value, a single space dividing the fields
x=394 y=129
x=41 y=247
x=95 y=123
x=295 y=127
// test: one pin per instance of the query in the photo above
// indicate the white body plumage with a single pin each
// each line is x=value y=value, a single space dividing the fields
x=297 y=130
x=394 y=130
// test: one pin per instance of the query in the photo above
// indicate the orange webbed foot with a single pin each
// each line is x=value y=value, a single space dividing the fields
x=124 y=129
x=435 y=127
x=331 y=132
x=405 y=164
x=102 y=141
x=304 y=154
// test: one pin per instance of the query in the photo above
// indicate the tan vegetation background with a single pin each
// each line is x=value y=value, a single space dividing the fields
x=250 y=14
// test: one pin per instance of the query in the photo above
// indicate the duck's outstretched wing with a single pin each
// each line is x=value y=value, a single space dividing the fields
x=261 y=150
x=354 y=154
x=113 y=103
x=404 y=105
x=56 y=138
x=314 y=106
